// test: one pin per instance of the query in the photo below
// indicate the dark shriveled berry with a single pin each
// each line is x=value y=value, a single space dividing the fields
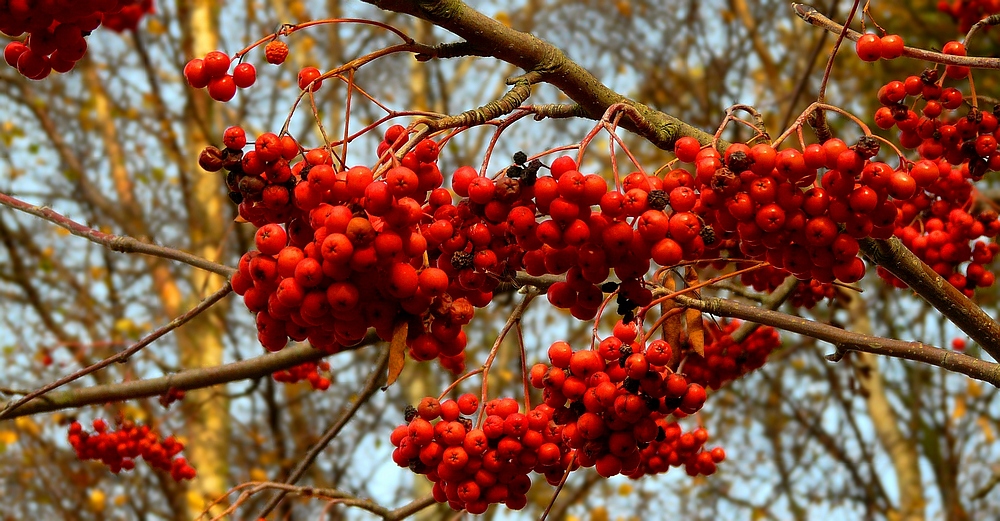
x=211 y=159
x=657 y=199
x=409 y=413
x=867 y=147
x=520 y=158
x=461 y=260
x=739 y=161
x=707 y=234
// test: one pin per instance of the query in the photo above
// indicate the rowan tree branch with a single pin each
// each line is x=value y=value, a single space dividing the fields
x=119 y=243
x=892 y=255
x=252 y=368
x=485 y=36
x=850 y=341
x=812 y=16
x=124 y=355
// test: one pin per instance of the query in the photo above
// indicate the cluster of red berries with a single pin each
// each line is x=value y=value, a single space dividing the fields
x=725 y=360
x=607 y=400
x=956 y=150
x=806 y=294
x=753 y=199
x=472 y=468
x=340 y=252
x=673 y=448
x=872 y=47
x=57 y=31
x=309 y=371
x=968 y=12
x=119 y=448
x=212 y=72
x=128 y=16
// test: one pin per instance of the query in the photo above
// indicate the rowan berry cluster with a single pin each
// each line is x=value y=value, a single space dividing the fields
x=57 y=30
x=212 y=71
x=607 y=400
x=118 y=449
x=753 y=199
x=872 y=47
x=309 y=371
x=673 y=448
x=474 y=467
x=340 y=252
x=957 y=146
x=726 y=360
x=968 y=12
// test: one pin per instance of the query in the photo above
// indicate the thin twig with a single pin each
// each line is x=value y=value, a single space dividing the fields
x=119 y=243
x=123 y=356
x=373 y=384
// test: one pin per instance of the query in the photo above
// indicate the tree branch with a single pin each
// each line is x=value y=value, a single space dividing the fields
x=258 y=367
x=122 y=356
x=850 y=341
x=119 y=243
x=485 y=36
x=938 y=292
x=812 y=16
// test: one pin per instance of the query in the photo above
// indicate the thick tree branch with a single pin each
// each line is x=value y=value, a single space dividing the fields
x=258 y=367
x=938 y=292
x=850 y=341
x=485 y=36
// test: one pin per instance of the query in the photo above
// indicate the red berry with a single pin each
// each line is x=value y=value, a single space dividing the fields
x=307 y=76
x=216 y=64
x=869 y=47
x=892 y=46
x=244 y=75
x=222 y=89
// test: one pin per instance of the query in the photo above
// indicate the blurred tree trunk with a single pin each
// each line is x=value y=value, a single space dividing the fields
x=200 y=341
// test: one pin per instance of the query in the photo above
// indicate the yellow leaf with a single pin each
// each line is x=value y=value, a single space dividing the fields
x=975 y=390
x=397 y=352
x=120 y=500
x=28 y=425
x=503 y=18
x=8 y=437
x=624 y=7
x=960 y=409
x=599 y=513
x=258 y=474
x=96 y=500
x=988 y=433
x=625 y=490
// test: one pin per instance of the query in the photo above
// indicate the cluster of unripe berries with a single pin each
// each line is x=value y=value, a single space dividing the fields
x=57 y=30
x=119 y=448
x=308 y=371
x=474 y=467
